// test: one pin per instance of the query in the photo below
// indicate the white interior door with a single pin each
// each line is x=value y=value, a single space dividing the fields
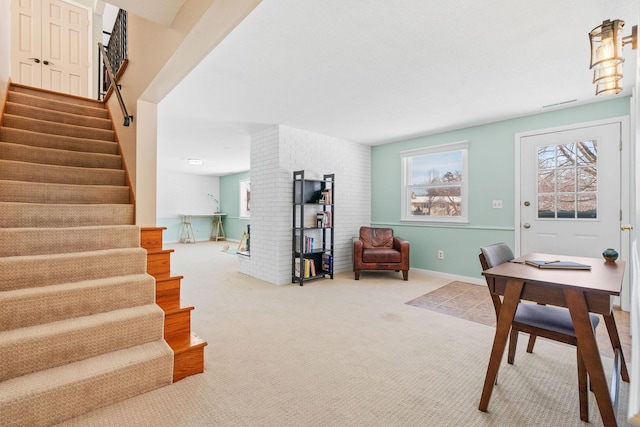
x=50 y=45
x=571 y=192
x=26 y=36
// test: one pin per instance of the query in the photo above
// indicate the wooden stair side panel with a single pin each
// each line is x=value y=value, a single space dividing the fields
x=189 y=360
x=187 y=347
x=152 y=238
x=177 y=327
x=168 y=293
x=159 y=263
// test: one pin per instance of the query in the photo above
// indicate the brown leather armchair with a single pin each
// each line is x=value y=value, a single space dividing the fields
x=378 y=249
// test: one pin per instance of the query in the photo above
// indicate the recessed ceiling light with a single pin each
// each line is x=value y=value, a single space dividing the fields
x=195 y=162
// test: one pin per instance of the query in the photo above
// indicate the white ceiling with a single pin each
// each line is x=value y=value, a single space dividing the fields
x=373 y=72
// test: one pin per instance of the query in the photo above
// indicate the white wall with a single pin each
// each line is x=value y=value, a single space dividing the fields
x=275 y=154
x=179 y=194
x=186 y=193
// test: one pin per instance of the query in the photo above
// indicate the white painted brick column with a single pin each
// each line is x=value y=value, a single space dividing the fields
x=275 y=154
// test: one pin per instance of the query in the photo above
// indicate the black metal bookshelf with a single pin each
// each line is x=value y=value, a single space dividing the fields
x=313 y=228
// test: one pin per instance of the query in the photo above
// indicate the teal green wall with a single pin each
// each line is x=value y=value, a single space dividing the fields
x=491 y=177
x=234 y=226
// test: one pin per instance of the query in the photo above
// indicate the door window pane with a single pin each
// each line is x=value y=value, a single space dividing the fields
x=568 y=180
x=546 y=206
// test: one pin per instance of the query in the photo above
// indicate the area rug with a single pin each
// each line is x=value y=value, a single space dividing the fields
x=460 y=299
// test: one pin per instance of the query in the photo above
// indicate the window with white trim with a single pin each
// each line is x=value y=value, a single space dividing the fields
x=434 y=183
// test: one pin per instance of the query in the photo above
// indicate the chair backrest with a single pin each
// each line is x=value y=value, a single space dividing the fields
x=493 y=255
x=376 y=237
x=496 y=254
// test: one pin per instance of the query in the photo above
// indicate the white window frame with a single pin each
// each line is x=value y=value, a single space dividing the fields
x=405 y=157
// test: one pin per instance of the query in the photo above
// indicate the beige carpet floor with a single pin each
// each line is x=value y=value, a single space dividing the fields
x=344 y=353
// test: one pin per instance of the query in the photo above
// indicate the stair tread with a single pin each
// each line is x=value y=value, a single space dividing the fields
x=26 y=99
x=20 y=122
x=196 y=341
x=42 y=152
x=44 y=346
x=50 y=269
x=65 y=325
x=46 y=192
x=181 y=309
x=70 y=143
x=167 y=279
x=80 y=371
x=65 y=300
x=16 y=241
x=15 y=170
x=19 y=214
x=50 y=94
x=32 y=112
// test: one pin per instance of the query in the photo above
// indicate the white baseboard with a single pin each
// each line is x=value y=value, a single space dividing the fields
x=455 y=277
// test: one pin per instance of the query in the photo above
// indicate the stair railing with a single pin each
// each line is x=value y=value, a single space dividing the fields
x=114 y=83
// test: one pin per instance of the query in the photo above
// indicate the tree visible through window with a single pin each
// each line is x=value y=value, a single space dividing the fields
x=568 y=180
x=434 y=183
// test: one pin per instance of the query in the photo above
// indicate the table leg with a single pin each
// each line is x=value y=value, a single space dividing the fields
x=610 y=321
x=588 y=348
x=505 y=319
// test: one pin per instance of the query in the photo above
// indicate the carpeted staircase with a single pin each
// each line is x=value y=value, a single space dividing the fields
x=79 y=327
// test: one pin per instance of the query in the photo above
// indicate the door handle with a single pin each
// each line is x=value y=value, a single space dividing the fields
x=527 y=225
x=626 y=227
x=48 y=63
x=36 y=60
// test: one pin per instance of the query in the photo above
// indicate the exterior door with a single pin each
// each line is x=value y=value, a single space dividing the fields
x=571 y=192
x=50 y=45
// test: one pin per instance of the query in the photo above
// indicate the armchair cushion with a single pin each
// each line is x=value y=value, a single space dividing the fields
x=384 y=254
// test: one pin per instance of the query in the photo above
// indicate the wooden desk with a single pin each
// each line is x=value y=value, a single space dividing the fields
x=217 y=231
x=581 y=291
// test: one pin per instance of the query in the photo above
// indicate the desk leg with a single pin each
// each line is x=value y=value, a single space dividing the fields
x=505 y=319
x=610 y=321
x=588 y=348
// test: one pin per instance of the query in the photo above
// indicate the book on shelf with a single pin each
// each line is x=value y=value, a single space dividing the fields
x=297 y=267
x=312 y=266
x=327 y=262
x=325 y=197
x=558 y=264
x=306 y=268
x=323 y=219
x=309 y=243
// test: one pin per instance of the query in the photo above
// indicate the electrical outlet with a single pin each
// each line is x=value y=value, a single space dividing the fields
x=440 y=254
x=497 y=204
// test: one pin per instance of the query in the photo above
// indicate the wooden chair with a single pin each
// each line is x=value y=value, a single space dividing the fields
x=549 y=322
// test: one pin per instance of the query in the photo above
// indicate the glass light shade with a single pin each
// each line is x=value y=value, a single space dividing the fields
x=606 y=45
x=606 y=75
x=610 y=88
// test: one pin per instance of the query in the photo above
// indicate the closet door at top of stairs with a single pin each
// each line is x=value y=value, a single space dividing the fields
x=49 y=45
